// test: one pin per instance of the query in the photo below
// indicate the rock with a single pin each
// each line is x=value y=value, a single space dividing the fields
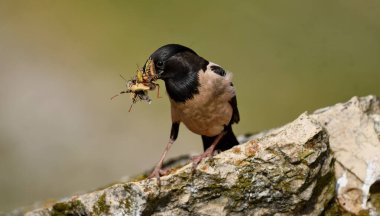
x=288 y=172
x=284 y=171
x=354 y=130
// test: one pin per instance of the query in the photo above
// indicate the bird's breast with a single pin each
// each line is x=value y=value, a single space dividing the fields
x=209 y=111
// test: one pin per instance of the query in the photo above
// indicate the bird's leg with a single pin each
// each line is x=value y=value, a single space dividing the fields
x=208 y=152
x=157 y=170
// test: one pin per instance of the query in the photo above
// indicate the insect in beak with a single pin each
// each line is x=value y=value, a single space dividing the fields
x=143 y=82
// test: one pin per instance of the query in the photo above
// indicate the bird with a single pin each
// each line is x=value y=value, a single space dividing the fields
x=202 y=97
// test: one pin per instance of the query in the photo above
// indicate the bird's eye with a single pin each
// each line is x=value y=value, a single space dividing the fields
x=160 y=63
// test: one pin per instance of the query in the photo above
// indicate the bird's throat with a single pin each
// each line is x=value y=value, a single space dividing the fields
x=182 y=88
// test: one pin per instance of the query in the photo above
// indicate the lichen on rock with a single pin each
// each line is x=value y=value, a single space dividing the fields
x=289 y=170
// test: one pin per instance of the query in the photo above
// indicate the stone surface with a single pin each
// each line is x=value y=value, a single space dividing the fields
x=284 y=171
x=354 y=130
x=287 y=172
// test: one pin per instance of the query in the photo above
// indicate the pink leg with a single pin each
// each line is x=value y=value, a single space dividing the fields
x=209 y=151
x=157 y=170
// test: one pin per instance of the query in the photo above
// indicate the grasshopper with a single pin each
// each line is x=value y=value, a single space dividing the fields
x=143 y=82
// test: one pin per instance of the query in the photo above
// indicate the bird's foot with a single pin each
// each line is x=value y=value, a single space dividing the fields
x=157 y=173
x=197 y=159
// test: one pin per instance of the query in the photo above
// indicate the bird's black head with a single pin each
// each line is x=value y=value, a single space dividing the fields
x=178 y=66
x=172 y=58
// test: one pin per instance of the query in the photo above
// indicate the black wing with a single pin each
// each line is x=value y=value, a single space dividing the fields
x=235 y=112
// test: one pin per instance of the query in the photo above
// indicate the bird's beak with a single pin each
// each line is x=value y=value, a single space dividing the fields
x=150 y=69
x=159 y=74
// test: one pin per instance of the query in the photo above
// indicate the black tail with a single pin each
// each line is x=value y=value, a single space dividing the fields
x=228 y=140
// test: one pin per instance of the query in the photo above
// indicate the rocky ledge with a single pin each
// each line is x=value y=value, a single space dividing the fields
x=324 y=163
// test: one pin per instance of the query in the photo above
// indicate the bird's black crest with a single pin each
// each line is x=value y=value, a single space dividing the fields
x=165 y=52
x=218 y=70
x=162 y=54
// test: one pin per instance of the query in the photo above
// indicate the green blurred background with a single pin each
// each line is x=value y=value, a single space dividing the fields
x=60 y=63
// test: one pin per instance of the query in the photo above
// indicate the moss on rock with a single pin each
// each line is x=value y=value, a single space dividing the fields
x=101 y=207
x=73 y=207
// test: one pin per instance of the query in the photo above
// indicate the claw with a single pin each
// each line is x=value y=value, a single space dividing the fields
x=156 y=174
x=209 y=153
